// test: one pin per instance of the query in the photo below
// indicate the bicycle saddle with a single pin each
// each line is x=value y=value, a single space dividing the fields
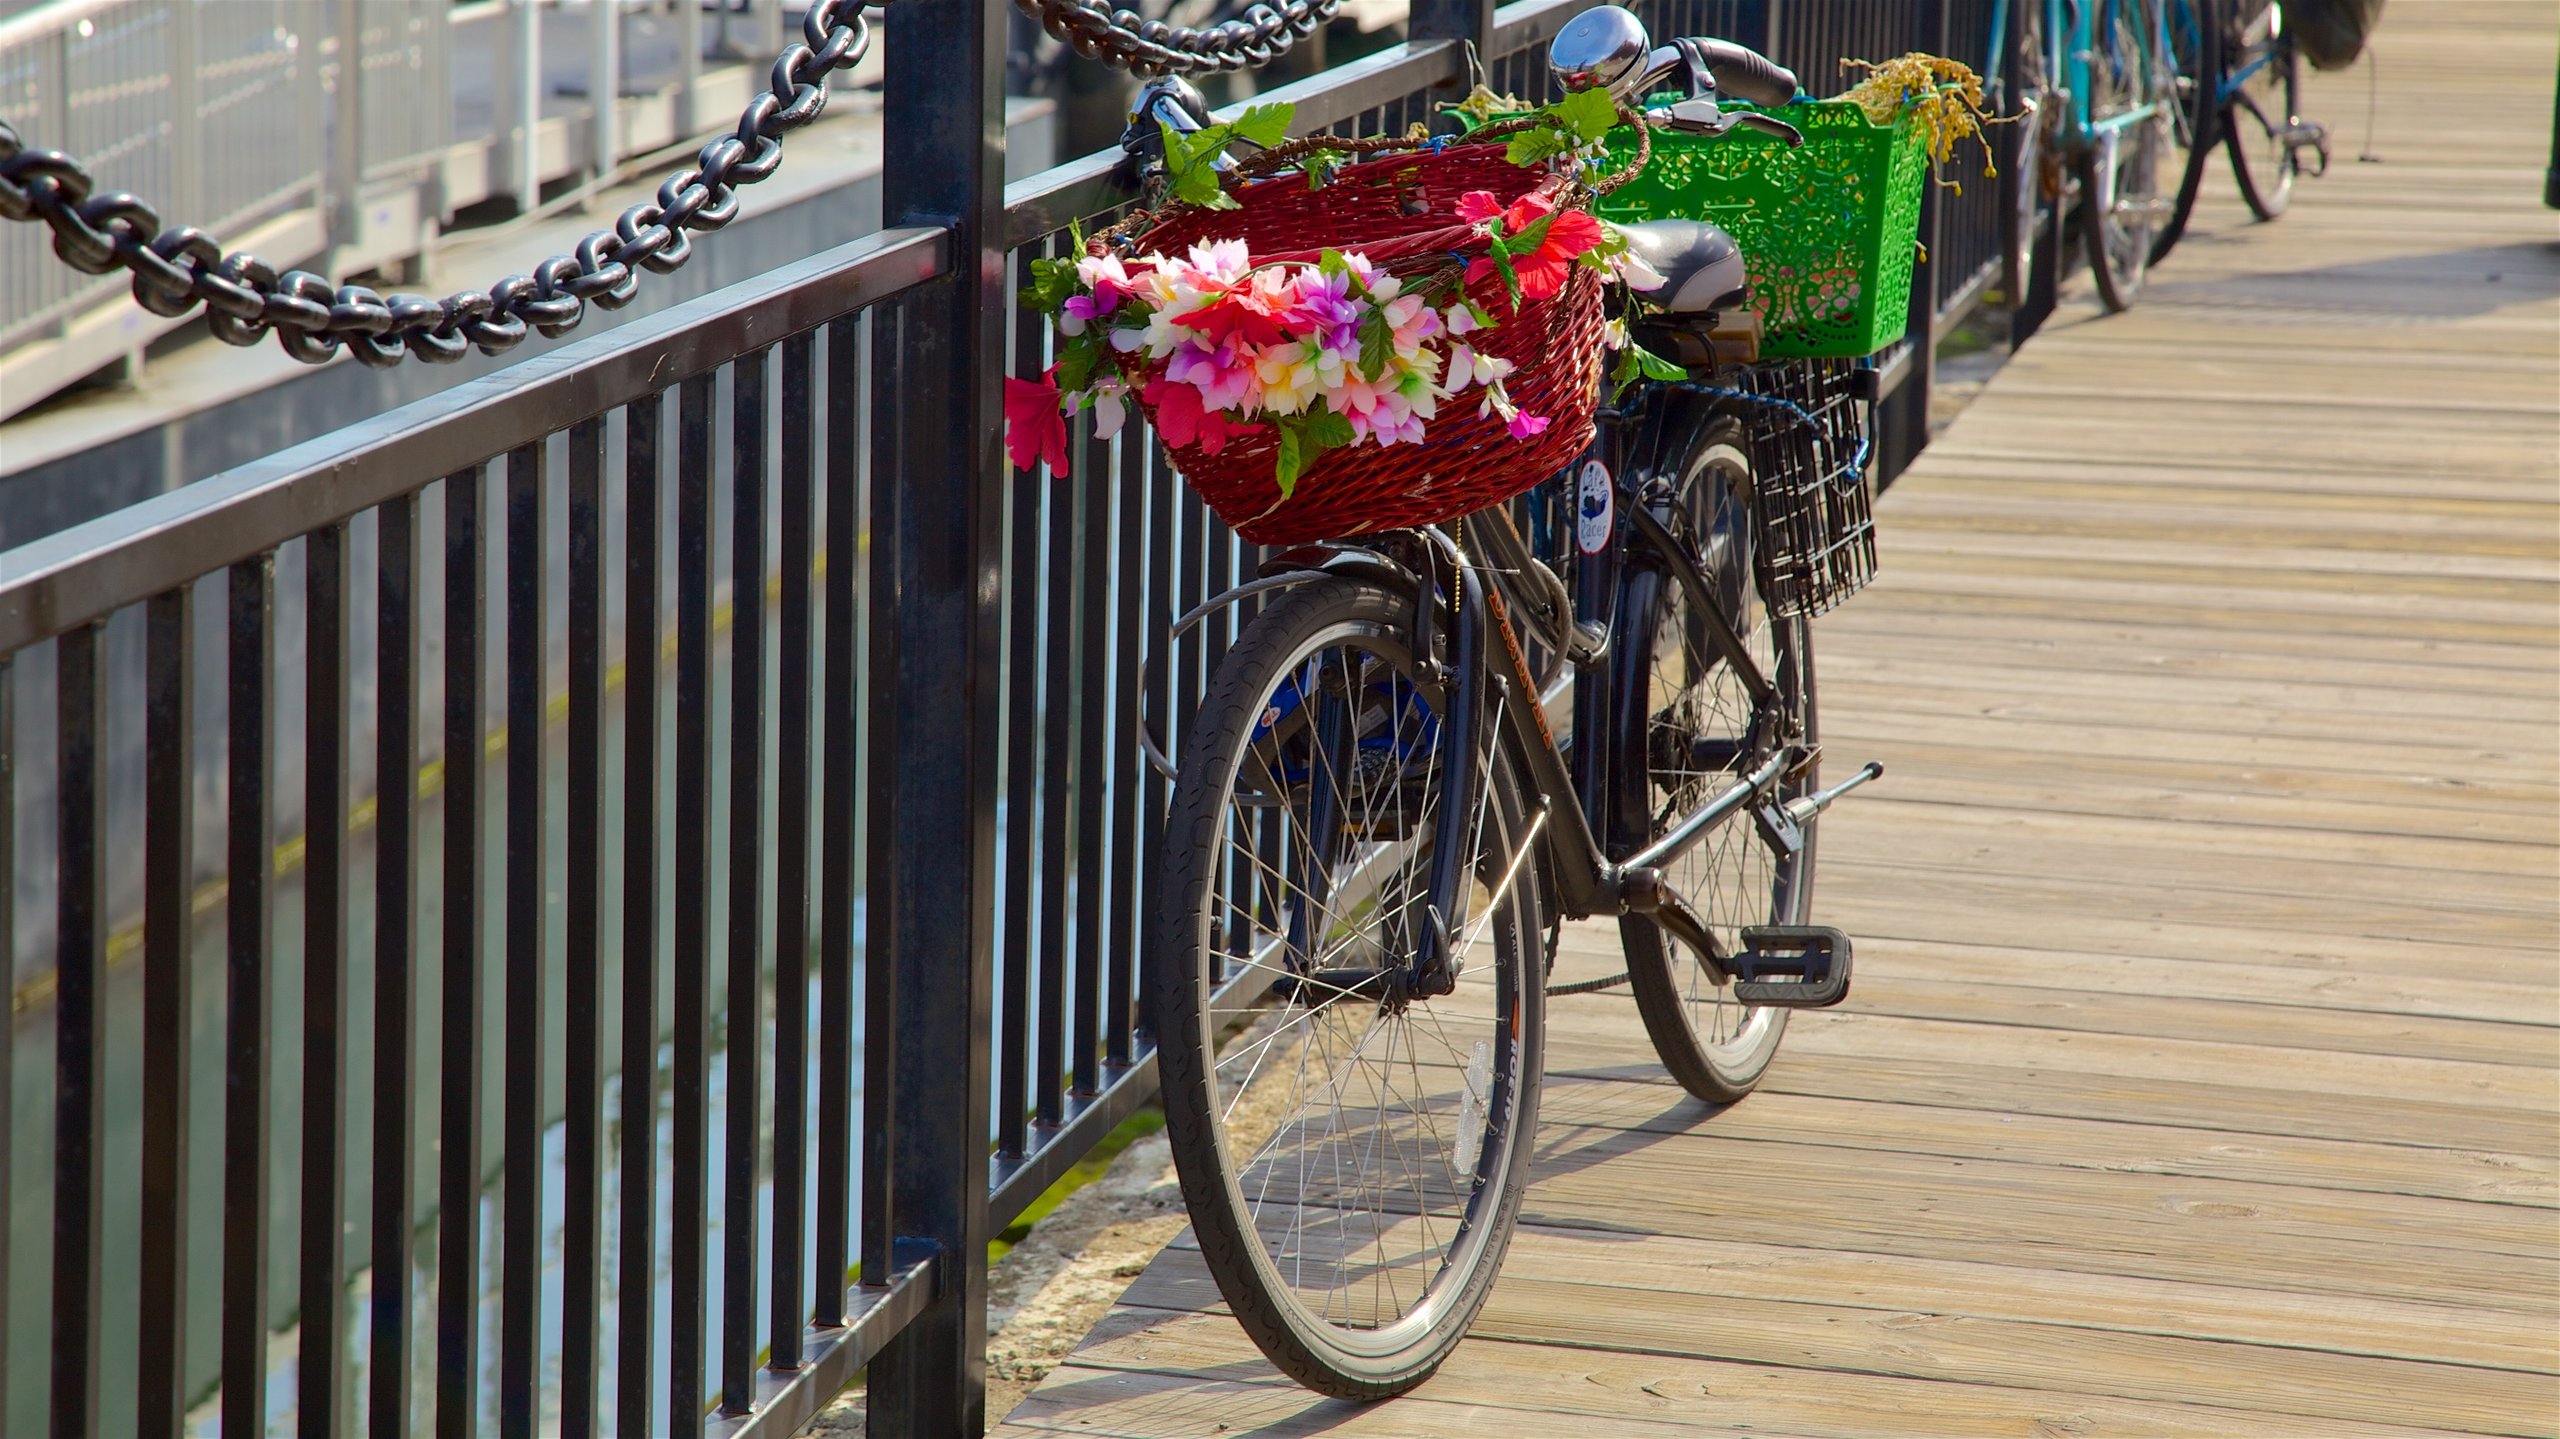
x=1700 y=265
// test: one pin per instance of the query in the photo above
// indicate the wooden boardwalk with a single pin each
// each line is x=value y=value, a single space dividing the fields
x=2200 y=1073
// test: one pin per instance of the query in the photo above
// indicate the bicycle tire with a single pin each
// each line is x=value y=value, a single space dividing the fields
x=1238 y=758
x=2194 y=25
x=2119 y=182
x=2262 y=114
x=2030 y=190
x=1715 y=1047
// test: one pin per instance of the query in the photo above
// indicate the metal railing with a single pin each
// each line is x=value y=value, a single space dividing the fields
x=701 y=898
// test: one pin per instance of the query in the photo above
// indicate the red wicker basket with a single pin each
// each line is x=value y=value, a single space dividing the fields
x=1401 y=212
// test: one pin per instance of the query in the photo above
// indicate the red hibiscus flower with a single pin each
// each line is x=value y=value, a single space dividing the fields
x=1542 y=271
x=1034 y=429
x=1182 y=420
x=1238 y=312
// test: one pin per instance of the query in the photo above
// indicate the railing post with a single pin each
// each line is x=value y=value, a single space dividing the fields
x=936 y=504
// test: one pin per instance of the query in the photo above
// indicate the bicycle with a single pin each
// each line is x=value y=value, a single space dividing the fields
x=1376 y=827
x=2118 y=95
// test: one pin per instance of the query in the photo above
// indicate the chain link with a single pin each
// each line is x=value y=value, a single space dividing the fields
x=245 y=298
x=1126 y=40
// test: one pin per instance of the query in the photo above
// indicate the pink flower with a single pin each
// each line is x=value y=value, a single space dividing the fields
x=1034 y=431
x=1524 y=425
x=1182 y=421
x=1477 y=206
x=1224 y=375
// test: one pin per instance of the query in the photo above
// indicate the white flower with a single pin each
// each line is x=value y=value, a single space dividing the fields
x=1467 y=367
x=1631 y=267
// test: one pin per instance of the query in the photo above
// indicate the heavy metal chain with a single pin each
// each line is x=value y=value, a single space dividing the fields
x=1126 y=40
x=182 y=267
x=245 y=298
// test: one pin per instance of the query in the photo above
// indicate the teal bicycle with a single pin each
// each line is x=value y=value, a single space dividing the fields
x=2118 y=97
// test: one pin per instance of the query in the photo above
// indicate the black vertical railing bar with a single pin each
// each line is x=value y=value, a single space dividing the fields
x=745 y=766
x=459 y=1101
x=831 y=1253
x=1094 y=851
x=936 y=514
x=882 y=1139
x=395 y=948
x=520 y=1257
x=582 y=889
x=1163 y=603
x=789 y=1308
x=1056 y=1006
x=249 y=921
x=320 y=1372
x=1120 y=694
x=79 y=1065
x=1023 y=650
x=168 y=833
x=636 y=1356
x=688 y=1217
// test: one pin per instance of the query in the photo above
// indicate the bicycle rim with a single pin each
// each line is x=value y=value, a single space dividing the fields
x=1353 y=1158
x=1695 y=730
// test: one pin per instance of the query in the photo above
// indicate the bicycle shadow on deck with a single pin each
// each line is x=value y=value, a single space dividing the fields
x=1172 y=1361
x=2430 y=287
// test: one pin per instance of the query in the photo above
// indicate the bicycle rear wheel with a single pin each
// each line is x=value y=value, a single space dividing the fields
x=1353 y=1153
x=1689 y=730
x=2120 y=167
x=2264 y=109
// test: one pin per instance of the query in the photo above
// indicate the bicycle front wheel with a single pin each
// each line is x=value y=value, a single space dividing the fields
x=2194 y=41
x=1690 y=729
x=1353 y=1152
x=2265 y=106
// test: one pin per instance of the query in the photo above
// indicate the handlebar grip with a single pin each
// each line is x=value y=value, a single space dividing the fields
x=1745 y=73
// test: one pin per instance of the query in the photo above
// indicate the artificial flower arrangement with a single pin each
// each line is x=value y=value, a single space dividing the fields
x=1311 y=350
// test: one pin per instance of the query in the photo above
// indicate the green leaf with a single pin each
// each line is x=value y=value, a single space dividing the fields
x=1587 y=114
x=1265 y=125
x=1078 y=359
x=1654 y=366
x=1053 y=282
x=1290 y=464
x=1501 y=257
x=1533 y=145
x=1327 y=429
x=1624 y=373
x=1529 y=238
x=1320 y=166
x=1190 y=164
x=1377 y=344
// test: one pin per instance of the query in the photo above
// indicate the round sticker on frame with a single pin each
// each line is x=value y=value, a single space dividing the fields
x=1594 y=508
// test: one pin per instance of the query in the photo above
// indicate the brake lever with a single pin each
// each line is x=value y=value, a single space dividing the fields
x=1707 y=118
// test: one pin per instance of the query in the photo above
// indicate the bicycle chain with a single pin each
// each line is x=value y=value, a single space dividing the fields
x=245 y=298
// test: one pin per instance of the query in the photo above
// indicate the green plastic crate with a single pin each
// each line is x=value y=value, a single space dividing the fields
x=1828 y=231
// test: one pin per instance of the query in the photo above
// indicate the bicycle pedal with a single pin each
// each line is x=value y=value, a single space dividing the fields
x=1792 y=966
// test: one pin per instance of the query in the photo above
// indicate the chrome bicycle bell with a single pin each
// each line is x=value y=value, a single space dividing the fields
x=1598 y=48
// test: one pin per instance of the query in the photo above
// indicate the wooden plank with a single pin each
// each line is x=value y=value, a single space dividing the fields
x=1568 y=1388
x=1919 y=1343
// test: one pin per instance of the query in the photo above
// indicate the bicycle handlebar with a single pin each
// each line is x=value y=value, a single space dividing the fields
x=1742 y=72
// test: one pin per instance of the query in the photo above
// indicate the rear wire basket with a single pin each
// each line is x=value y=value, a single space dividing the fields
x=1813 y=506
